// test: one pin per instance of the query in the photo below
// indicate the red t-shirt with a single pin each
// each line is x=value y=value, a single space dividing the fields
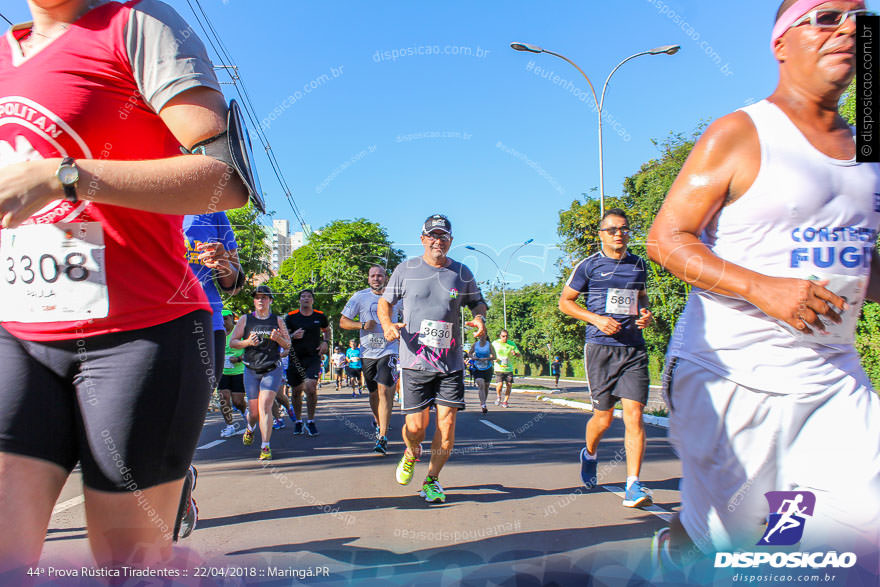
x=78 y=97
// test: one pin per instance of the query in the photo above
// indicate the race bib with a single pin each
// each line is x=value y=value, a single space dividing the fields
x=54 y=272
x=853 y=290
x=622 y=301
x=227 y=363
x=436 y=334
x=375 y=341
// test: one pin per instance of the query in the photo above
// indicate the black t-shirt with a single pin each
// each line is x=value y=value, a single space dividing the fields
x=313 y=324
x=265 y=355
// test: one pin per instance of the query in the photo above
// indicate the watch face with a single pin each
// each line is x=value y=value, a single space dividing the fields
x=68 y=175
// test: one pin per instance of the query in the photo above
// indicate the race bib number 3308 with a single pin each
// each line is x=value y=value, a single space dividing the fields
x=54 y=273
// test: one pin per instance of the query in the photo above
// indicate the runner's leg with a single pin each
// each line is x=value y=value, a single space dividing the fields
x=444 y=439
x=634 y=436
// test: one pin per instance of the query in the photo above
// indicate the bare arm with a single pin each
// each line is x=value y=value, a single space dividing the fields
x=479 y=311
x=186 y=184
x=235 y=340
x=568 y=305
x=280 y=335
x=721 y=167
x=389 y=328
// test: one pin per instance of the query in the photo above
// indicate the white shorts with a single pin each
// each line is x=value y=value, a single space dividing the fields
x=736 y=443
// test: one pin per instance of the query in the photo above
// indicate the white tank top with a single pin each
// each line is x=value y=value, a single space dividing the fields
x=808 y=216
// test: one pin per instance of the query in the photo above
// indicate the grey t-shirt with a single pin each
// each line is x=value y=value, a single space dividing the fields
x=363 y=306
x=432 y=297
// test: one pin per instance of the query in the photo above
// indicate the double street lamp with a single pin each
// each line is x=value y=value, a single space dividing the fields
x=600 y=102
x=501 y=273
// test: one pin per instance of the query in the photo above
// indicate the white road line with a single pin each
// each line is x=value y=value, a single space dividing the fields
x=210 y=444
x=494 y=426
x=70 y=503
x=654 y=509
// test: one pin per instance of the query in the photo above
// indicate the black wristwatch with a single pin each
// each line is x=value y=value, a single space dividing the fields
x=68 y=175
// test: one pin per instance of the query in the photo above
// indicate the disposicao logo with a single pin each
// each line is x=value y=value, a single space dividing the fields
x=785 y=527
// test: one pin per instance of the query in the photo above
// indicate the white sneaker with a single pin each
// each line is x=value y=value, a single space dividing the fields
x=497 y=401
x=228 y=431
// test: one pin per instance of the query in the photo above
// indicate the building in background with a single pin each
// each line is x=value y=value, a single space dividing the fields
x=283 y=244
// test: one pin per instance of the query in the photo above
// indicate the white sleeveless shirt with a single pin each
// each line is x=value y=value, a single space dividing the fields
x=807 y=216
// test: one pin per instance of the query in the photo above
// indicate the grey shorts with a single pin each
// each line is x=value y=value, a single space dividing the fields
x=254 y=383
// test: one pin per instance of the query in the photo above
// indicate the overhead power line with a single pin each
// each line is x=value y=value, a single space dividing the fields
x=213 y=38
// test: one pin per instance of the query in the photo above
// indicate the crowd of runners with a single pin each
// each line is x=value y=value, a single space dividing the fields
x=761 y=368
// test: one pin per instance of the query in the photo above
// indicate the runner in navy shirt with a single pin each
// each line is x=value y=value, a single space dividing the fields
x=615 y=360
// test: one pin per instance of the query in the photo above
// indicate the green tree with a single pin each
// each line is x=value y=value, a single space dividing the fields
x=253 y=252
x=334 y=264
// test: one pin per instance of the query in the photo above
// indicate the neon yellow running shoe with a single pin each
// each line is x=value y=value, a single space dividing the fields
x=405 y=468
x=248 y=438
x=266 y=454
x=432 y=491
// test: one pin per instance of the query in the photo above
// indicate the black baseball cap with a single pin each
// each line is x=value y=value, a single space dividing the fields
x=263 y=289
x=437 y=222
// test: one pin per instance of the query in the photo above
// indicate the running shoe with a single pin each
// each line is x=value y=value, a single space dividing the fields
x=228 y=431
x=484 y=408
x=311 y=428
x=248 y=438
x=588 y=469
x=266 y=454
x=405 y=468
x=504 y=404
x=278 y=424
x=381 y=445
x=353 y=393
x=432 y=491
x=637 y=496
x=663 y=568
x=189 y=520
x=291 y=414
x=497 y=401
x=298 y=427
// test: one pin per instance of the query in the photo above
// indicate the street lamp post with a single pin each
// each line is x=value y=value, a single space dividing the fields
x=600 y=102
x=501 y=273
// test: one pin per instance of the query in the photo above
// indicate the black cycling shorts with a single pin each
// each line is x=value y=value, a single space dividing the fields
x=234 y=383
x=484 y=374
x=301 y=368
x=128 y=406
x=382 y=370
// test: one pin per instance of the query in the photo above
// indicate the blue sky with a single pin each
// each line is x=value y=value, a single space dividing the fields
x=424 y=108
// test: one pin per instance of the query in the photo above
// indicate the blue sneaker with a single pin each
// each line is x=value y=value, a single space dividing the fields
x=637 y=496
x=278 y=424
x=588 y=470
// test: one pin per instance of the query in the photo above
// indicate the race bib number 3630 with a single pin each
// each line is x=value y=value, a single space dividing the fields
x=54 y=273
x=436 y=334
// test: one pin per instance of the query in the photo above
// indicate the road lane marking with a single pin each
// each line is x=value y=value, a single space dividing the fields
x=210 y=444
x=494 y=426
x=653 y=509
x=70 y=503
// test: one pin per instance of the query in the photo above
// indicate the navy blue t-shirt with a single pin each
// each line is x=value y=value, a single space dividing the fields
x=208 y=228
x=611 y=288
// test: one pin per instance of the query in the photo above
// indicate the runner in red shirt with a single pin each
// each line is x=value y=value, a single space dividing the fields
x=100 y=308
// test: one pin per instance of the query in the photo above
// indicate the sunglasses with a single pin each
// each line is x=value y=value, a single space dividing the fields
x=829 y=18
x=439 y=237
x=613 y=230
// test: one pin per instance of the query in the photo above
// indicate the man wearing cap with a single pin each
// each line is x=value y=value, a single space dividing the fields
x=433 y=287
x=262 y=335
x=773 y=222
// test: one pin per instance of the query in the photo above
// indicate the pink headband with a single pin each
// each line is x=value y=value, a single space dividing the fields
x=790 y=16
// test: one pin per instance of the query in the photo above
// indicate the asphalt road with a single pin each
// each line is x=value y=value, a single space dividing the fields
x=515 y=505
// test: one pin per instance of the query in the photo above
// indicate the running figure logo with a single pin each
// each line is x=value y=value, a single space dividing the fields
x=785 y=527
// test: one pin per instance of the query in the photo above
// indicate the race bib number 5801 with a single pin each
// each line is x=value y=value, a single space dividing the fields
x=54 y=273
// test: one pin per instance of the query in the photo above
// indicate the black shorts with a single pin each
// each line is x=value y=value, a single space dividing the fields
x=615 y=372
x=353 y=372
x=505 y=377
x=382 y=370
x=128 y=406
x=301 y=368
x=484 y=374
x=422 y=389
x=234 y=383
